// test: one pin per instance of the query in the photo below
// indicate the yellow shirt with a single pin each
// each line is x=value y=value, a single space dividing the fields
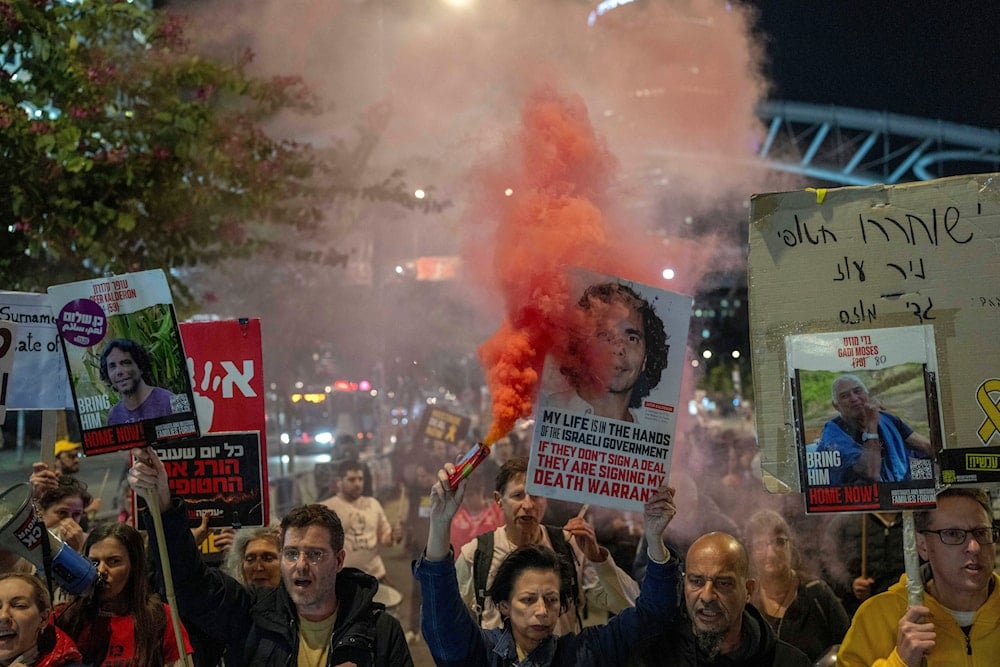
x=314 y=641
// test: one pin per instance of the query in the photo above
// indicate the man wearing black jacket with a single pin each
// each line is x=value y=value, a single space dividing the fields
x=720 y=627
x=321 y=614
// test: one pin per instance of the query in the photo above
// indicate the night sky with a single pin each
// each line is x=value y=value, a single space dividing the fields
x=928 y=58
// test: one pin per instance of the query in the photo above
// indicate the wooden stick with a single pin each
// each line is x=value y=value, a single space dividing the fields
x=168 y=579
x=104 y=483
x=583 y=511
x=864 y=546
x=50 y=429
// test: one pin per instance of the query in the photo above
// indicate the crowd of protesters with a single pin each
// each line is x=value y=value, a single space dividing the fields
x=761 y=581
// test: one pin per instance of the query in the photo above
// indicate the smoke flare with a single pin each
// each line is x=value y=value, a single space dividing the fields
x=553 y=221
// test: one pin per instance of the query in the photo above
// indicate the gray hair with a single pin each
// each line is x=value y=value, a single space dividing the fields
x=843 y=379
x=233 y=566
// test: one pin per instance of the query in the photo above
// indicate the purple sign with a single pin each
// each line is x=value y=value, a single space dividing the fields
x=82 y=322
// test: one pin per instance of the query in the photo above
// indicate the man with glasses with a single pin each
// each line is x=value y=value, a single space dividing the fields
x=720 y=626
x=957 y=622
x=321 y=613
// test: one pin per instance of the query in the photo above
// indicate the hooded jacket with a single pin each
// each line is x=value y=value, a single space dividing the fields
x=676 y=647
x=260 y=626
x=871 y=640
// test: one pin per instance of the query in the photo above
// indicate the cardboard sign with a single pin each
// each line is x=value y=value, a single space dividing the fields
x=585 y=450
x=850 y=259
x=866 y=414
x=126 y=362
x=42 y=381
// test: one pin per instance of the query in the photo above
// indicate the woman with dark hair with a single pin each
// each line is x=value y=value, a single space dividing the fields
x=803 y=610
x=26 y=636
x=61 y=509
x=123 y=623
x=531 y=588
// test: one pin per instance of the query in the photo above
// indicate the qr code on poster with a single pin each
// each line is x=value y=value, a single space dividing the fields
x=921 y=469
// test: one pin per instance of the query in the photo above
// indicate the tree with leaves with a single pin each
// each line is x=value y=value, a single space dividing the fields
x=121 y=149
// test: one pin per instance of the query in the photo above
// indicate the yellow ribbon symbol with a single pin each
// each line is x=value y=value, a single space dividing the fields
x=990 y=407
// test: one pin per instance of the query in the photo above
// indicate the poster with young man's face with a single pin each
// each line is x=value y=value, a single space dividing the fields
x=125 y=360
x=608 y=407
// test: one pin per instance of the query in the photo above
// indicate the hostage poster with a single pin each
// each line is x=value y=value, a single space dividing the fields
x=866 y=411
x=604 y=424
x=125 y=359
x=884 y=256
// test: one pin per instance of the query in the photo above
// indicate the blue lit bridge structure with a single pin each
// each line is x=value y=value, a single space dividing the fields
x=846 y=146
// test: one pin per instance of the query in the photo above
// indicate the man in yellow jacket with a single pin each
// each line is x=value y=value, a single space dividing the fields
x=959 y=620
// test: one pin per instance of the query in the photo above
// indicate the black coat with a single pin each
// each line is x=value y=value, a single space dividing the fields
x=260 y=626
x=676 y=647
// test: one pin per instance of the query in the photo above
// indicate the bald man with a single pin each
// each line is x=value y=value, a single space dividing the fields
x=720 y=626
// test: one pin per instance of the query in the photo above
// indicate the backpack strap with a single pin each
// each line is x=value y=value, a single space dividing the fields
x=481 y=562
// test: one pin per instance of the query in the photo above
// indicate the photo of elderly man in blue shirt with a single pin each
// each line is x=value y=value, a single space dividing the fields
x=874 y=445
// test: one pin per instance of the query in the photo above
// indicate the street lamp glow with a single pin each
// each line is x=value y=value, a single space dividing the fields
x=736 y=354
x=508 y=192
x=707 y=354
x=419 y=194
x=668 y=274
x=399 y=270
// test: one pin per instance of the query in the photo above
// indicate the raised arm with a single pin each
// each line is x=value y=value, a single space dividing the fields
x=444 y=504
x=215 y=602
x=452 y=635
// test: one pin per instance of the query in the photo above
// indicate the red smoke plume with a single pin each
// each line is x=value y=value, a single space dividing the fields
x=551 y=221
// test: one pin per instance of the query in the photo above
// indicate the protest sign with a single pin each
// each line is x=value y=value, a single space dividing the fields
x=8 y=333
x=873 y=450
x=439 y=425
x=225 y=361
x=42 y=382
x=221 y=475
x=849 y=259
x=126 y=362
x=226 y=364
x=610 y=443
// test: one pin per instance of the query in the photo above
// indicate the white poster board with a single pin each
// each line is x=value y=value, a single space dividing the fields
x=121 y=343
x=42 y=383
x=610 y=443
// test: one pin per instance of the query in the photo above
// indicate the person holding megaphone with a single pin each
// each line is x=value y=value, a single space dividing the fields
x=123 y=622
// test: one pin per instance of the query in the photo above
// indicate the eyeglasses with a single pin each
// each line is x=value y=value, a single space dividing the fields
x=954 y=537
x=761 y=545
x=313 y=556
x=696 y=582
x=268 y=558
